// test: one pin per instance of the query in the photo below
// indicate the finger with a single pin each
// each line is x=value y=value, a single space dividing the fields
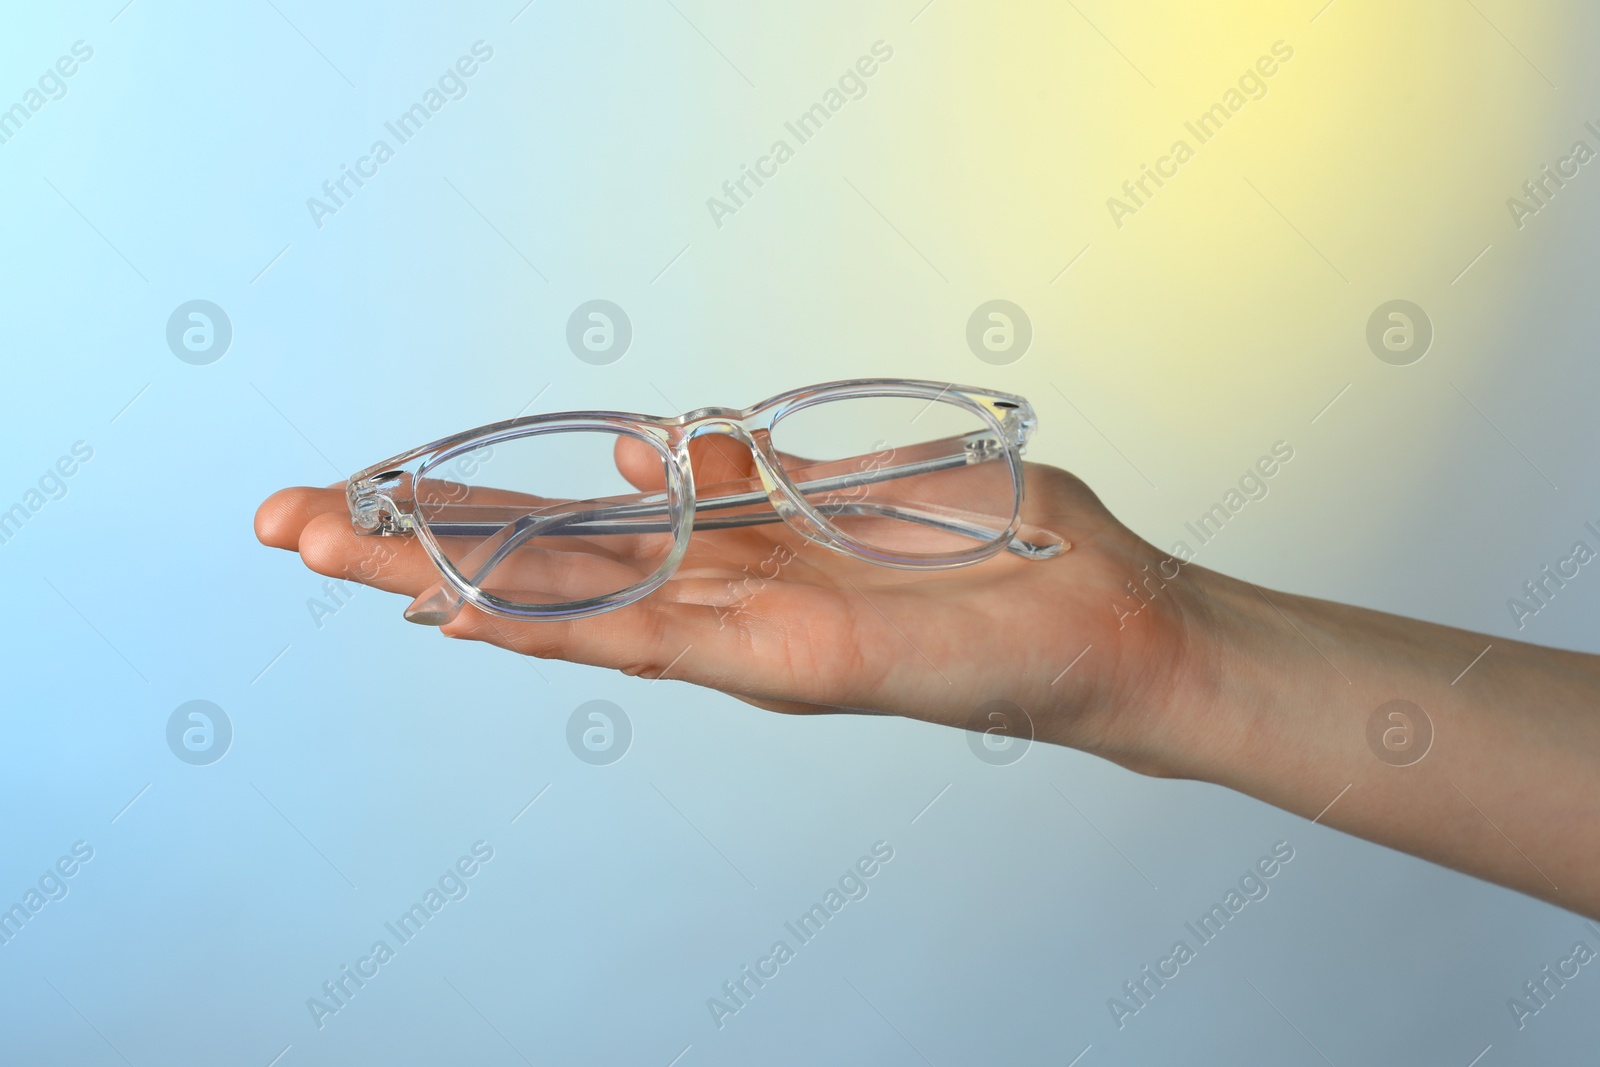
x=714 y=458
x=329 y=545
x=282 y=516
x=791 y=707
x=625 y=638
x=717 y=458
x=757 y=651
x=641 y=464
x=561 y=570
x=440 y=498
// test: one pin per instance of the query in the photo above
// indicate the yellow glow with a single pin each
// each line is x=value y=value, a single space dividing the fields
x=1389 y=141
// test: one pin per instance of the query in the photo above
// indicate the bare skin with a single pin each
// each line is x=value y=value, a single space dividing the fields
x=1213 y=678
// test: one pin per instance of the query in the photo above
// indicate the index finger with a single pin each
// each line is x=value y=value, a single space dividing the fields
x=283 y=515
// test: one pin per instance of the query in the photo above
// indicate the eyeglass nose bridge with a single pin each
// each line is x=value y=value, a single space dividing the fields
x=727 y=422
x=724 y=422
x=709 y=415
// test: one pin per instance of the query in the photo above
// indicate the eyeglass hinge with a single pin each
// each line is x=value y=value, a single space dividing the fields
x=374 y=508
x=983 y=447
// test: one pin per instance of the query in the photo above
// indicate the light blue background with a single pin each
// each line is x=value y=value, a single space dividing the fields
x=368 y=754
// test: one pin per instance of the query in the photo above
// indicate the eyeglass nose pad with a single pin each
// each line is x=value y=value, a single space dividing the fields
x=1035 y=542
x=798 y=520
x=435 y=606
x=759 y=442
x=440 y=603
x=779 y=493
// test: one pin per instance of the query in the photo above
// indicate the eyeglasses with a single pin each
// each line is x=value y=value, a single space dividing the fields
x=562 y=516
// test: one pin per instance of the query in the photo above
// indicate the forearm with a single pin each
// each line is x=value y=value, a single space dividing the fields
x=1278 y=698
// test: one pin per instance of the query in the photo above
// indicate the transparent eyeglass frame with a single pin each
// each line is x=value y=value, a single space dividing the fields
x=382 y=500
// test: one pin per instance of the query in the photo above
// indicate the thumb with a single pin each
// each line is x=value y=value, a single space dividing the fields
x=715 y=459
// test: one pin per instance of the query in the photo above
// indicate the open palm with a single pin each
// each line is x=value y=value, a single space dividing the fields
x=788 y=625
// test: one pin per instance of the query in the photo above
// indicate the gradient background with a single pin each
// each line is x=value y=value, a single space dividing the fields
x=368 y=754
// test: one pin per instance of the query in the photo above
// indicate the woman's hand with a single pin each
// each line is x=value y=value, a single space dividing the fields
x=787 y=625
x=1111 y=647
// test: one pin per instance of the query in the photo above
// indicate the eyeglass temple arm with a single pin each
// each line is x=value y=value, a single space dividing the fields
x=622 y=514
x=977 y=447
x=653 y=504
x=440 y=603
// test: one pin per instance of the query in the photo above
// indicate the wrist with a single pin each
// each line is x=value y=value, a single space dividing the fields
x=1235 y=654
x=1177 y=685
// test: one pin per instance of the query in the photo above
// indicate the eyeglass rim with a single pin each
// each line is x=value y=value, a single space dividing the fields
x=776 y=405
x=1010 y=416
